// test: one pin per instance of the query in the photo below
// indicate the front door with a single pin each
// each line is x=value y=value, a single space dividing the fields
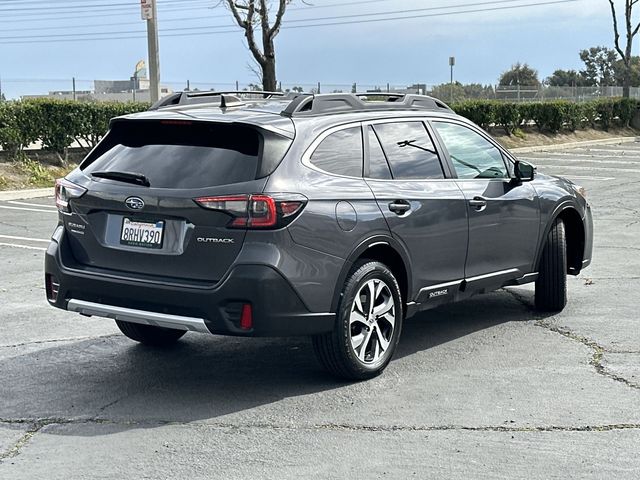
x=503 y=214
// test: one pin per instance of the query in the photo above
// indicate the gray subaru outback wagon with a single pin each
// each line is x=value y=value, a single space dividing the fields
x=335 y=216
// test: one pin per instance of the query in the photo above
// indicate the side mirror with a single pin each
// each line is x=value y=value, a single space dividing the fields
x=524 y=171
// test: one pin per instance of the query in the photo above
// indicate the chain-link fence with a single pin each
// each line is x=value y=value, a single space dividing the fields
x=137 y=89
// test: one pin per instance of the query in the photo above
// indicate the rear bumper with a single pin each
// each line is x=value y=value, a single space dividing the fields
x=277 y=310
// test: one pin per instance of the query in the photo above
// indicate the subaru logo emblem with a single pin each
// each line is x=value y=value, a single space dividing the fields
x=134 y=203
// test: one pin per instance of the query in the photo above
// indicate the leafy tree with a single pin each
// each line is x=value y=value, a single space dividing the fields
x=253 y=17
x=520 y=74
x=619 y=70
x=598 y=63
x=566 y=78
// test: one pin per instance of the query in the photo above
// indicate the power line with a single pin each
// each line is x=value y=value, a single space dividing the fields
x=104 y=12
x=227 y=26
x=286 y=21
x=350 y=22
x=94 y=7
x=6 y=19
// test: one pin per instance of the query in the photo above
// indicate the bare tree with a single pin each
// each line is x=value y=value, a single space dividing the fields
x=631 y=32
x=253 y=17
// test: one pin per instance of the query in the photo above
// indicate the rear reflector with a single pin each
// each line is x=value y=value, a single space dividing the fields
x=246 y=317
x=52 y=287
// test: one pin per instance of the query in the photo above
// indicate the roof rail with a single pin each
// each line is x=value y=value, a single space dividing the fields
x=309 y=104
x=230 y=98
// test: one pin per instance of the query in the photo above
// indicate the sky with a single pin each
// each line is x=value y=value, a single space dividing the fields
x=43 y=44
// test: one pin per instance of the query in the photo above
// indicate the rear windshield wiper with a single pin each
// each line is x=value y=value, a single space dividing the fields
x=128 y=177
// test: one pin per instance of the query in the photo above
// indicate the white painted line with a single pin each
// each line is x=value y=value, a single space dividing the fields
x=594 y=157
x=549 y=161
x=582 y=167
x=11 y=237
x=24 y=194
x=27 y=247
x=28 y=209
x=585 y=177
x=14 y=202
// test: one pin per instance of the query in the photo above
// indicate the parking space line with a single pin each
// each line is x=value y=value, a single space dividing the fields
x=591 y=159
x=15 y=202
x=27 y=209
x=582 y=167
x=27 y=247
x=586 y=177
x=12 y=237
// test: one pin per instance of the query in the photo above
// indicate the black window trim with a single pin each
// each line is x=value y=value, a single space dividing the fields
x=367 y=151
x=507 y=159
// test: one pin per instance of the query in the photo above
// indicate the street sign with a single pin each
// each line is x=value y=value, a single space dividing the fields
x=147 y=9
x=452 y=61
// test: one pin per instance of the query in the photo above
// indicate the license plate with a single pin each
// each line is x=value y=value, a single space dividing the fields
x=142 y=234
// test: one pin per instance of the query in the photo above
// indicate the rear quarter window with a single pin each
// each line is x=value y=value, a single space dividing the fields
x=340 y=153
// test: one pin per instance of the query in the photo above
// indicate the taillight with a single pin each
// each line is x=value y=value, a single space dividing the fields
x=256 y=211
x=65 y=191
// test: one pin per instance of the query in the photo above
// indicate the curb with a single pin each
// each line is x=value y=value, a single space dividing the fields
x=26 y=194
x=586 y=143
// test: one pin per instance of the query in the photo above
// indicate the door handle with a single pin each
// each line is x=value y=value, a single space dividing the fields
x=479 y=203
x=399 y=207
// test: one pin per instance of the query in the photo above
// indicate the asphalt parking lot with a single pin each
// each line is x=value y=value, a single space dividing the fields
x=486 y=388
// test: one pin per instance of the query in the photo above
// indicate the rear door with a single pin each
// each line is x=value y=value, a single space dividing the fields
x=503 y=215
x=157 y=229
x=424 y=210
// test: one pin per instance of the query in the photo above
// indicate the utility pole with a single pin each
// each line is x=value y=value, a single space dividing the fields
x=74 y=89
x=150 y=14
x=452 y=63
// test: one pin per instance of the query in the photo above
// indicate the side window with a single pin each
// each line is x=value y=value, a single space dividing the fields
x=378 y=166
x=340 y=153
x=472 y=155
x=410 y=151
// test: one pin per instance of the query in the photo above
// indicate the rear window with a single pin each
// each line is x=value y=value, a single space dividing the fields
x=175 y=154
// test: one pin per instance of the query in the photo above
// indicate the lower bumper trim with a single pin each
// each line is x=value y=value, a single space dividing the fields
x=176 y=322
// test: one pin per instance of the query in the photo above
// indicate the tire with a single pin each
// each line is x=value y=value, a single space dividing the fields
x=551 y=285
x=150 y=335
x=362 y=342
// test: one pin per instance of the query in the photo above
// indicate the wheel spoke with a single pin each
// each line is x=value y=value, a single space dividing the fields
x=389 y=318
x=356 y=340
x=384 y=307
x=384 y=343
x=358 y=304
x=357 y=317
x=372 y=295
x=363 y=346
x=376 y=351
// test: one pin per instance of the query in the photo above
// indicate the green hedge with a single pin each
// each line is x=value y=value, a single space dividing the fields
x=57 y=124
x=552 y=116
